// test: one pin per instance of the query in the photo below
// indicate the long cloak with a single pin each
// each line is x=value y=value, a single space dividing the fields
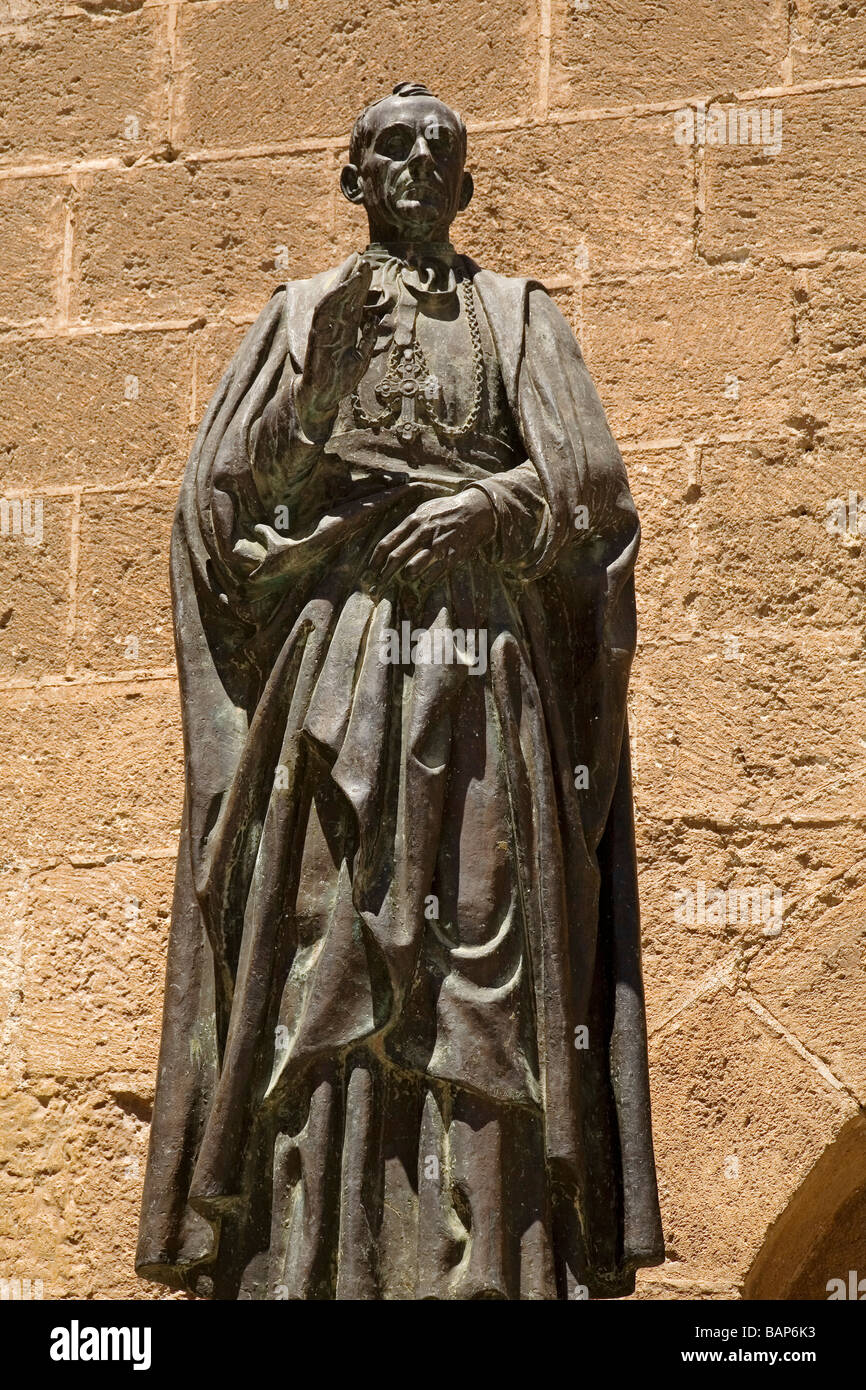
x=251 y=649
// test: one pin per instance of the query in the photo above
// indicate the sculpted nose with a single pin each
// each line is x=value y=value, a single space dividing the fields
x=420 y=152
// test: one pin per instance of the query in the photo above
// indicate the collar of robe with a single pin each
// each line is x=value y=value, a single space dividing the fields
x=424 y=269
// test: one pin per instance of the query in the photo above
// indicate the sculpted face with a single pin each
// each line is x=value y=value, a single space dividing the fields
x=410 y=174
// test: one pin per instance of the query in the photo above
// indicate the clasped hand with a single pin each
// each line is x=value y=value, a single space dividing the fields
x=437 y=534
x=434 y=537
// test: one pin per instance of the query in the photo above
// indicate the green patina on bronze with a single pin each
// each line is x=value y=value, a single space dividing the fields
x=406 y=901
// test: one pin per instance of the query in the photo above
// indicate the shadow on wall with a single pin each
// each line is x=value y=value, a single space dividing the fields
x=821 y=1234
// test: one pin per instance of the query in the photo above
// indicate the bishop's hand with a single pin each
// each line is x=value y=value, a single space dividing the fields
x=438 y=534
x=339 y=348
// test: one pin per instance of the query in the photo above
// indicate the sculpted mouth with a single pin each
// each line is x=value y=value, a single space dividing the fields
x=422 y=185
x=421 y=192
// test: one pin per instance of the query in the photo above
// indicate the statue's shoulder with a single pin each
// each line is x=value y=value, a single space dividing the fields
x=484 y=275
x=503 y=293
x=300 y=293
x=491 y=280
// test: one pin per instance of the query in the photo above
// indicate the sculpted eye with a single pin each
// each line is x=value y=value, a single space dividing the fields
x=441 y=141
x=395 y=145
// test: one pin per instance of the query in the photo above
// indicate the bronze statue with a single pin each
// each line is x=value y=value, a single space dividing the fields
x=404 y=1049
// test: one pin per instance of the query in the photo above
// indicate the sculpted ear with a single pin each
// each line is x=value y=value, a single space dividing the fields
x=350 y=183
x=467 y=188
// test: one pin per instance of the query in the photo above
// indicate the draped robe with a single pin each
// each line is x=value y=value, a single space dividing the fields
x=404 y=1049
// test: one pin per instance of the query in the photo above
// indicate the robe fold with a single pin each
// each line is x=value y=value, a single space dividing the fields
x=404 y=1046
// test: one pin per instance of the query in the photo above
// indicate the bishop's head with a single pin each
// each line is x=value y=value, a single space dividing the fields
x=407 y=156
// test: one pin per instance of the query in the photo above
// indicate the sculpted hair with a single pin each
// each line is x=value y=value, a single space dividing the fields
x=361 y=128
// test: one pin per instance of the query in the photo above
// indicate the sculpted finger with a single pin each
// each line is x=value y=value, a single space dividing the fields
x=337 y=312
x=369 y=329
x=418 y=565
x=364 y=351
x=347 y=299
x=395 y=537
x=398 y=558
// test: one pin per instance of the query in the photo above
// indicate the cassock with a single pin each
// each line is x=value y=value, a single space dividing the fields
x=404 y=1047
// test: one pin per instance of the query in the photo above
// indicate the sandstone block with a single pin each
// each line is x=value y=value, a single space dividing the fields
x=34 y=573
x=607 y=54
x=123 y=619
x=739 y=1119
x=32 y=219
x=692 y=351
x=96 y=409
x=76 y=85
x=807 y=200
x=255 y=73
x=99 y=770
x=189 y=241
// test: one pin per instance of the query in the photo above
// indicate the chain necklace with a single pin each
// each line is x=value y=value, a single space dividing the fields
x=409 y=384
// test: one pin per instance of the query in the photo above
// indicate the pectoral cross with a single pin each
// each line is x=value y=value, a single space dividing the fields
x=408 y=381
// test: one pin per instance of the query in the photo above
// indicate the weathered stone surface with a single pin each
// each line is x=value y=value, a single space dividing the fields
x=13 y=926
x=34 y=575
x=820 y=1232
x=739 y=1122
x=92 y=978
x=94 y=409
x=664 y=485
x=758 y=723
x=123 y=620
x=823 y=958
x=829 y=39
x=796 y=205
x=681 y=353
x=830 y=306
x=189 y=240
x=781 y=562
x=658 y=1285
x=739 y=942
x=70 y=1178
x=75 y=85
x=255 y=73
x=98 y=768
x=33 y=218
x=607 y=53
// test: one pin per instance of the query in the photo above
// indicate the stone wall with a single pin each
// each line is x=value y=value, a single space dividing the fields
x=162 y=166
